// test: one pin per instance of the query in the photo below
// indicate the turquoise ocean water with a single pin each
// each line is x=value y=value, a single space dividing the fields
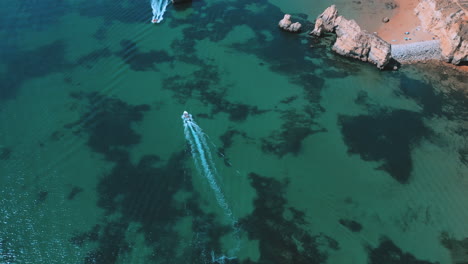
x=320 y=158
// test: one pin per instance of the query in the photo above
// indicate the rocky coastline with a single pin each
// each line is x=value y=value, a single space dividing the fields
x=445 y=19
x=449 y=21
x=352 y=41
x=417 y=52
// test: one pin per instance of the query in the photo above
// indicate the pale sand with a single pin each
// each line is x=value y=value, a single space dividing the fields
x=404 y=20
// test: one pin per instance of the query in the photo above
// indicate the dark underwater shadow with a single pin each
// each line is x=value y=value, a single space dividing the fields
x=386 y=135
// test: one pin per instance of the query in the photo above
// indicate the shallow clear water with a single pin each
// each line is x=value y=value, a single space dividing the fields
x=321 y=159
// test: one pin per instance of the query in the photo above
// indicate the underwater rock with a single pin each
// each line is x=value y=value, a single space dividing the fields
x=351 y=225
x=352 y=41
x=287 y=25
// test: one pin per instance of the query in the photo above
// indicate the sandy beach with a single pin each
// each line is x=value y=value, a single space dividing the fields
x=404 y=20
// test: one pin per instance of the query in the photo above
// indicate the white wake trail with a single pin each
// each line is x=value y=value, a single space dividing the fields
x=159 y=8
x=202 y=158
x=203 y=141
x=208 y=171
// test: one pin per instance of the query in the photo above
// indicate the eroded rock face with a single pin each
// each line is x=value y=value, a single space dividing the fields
x=447 y=20
x=325 y=21
x=351 y=40
x=287 y=25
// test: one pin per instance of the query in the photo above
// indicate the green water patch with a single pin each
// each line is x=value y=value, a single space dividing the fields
x=5 y=152
x=204 y=84
x=23 y=65
x=7 y=254
x=90 y=59
x=227 y=139
x=388 y=253
x=141 y=192
x=387 y=136
x=126 y=11
x=74 y=192
x=131 y=55
x=24 y=15
x=42 y=196
x=281 y=229
x=141 y=61
x=423 y=93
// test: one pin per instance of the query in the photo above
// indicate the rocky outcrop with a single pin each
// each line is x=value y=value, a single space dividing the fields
x=351 y=40
x=449 y=22
x=325 y=21
x=287 y=25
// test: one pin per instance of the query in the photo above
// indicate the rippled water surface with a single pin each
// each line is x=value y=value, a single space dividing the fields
x=302 y=156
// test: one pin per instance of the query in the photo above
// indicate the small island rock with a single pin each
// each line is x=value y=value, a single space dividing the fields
x=287 y=25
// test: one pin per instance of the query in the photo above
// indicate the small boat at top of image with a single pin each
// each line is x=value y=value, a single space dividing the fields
x=154 y=21
x=186 y=117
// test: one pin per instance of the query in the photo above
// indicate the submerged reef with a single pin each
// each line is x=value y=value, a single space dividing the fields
x=458 y=248
x=387 y=136
x=282 y=239
x=140 y=193
x=388 y=253
x=295 y=128
x=351 y=225
x=141 y=61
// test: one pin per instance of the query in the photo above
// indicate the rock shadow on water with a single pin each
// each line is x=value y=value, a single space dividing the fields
x=387 y=136
x=280 y=229
x=25 y=65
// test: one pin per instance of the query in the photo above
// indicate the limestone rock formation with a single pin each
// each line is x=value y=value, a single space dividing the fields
x=325 y=21
x=449 y=22
x=287 y=25
x=351 y=40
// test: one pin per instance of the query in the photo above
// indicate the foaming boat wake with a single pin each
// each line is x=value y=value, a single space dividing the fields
x=159 y=8
x=203 y=160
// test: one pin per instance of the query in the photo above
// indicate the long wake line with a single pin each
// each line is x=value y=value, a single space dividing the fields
x=202 y=158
